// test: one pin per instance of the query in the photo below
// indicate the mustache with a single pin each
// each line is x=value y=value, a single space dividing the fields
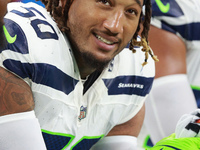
x=108 y=33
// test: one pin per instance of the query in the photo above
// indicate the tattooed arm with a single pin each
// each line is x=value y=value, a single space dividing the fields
x=15 y=94
x=18 y=122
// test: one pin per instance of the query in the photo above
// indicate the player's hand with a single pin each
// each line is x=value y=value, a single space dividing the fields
x=189 y=125
x=172 y=143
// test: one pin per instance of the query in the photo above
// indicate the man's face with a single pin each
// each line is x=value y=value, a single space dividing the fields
x=3 y=9
x=100 y=29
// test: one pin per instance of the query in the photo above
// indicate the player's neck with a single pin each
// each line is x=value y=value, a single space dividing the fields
x=85 y=70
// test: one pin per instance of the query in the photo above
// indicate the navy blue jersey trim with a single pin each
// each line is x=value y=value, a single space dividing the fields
x=55 y=142
x=197 y=96
x=174 y=148
x=86 y=144
x=51 y=76
x=174 y=9
x=29 y=13
x=189 y=32
x=44 y=74
x=129 y=85
x=21 y=44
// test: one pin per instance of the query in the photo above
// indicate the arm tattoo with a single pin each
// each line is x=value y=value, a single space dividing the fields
x=15 y=94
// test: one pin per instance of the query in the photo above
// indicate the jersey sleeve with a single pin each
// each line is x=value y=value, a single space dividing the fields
x=177 y=16
x=26 y=29
x=14 y=55
x=165 y=11
x=137 y=81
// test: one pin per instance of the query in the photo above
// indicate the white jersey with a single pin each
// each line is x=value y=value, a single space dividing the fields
x=182 y=17
x=41 y=55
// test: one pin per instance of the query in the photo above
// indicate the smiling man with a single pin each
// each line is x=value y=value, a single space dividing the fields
x=70 y=62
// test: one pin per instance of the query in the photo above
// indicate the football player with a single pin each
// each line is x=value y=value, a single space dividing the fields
x=86 y=86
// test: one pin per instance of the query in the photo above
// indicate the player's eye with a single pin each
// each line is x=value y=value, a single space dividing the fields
x=105 y=2
x=132 y=12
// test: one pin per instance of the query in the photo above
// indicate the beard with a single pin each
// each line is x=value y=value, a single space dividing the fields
x=87 y=57
x=2 y=36
x=90 y=60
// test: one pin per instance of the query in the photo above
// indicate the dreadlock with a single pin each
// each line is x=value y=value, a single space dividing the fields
x=144 y=35
x=60 y=14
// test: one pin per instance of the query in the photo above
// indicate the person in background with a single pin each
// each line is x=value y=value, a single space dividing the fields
x=174 y=37
x=186 y=136
x=67 y=79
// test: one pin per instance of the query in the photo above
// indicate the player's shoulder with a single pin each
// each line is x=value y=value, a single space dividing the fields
x=176 y=12
x=28 y=13
x=132 y=63
x=177 y=16
x=31 y=25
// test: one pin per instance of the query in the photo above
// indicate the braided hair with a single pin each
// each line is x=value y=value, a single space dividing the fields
x=60 y=14
x=144 y=34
